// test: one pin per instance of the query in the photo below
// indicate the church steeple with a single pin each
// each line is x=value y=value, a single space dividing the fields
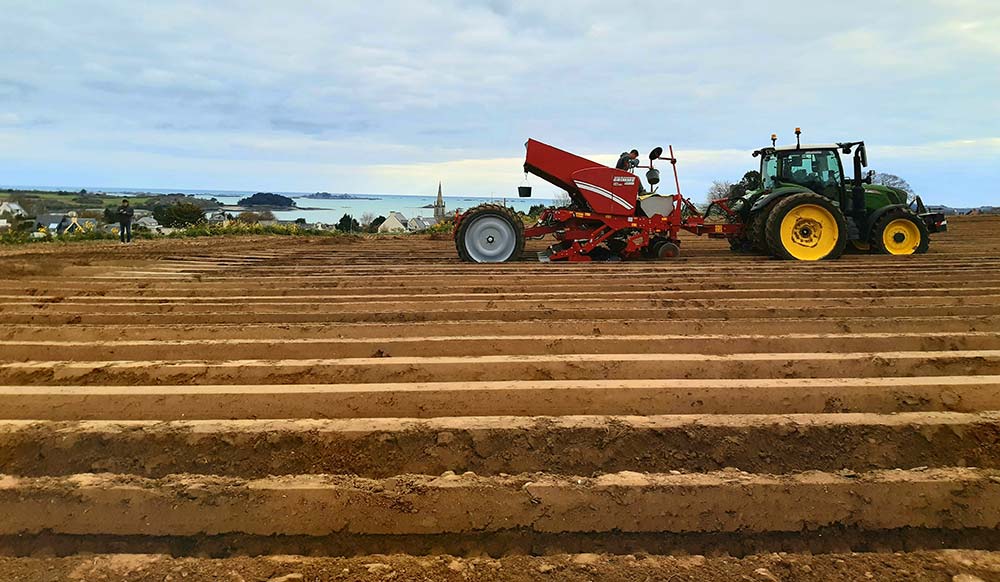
x=439 y=205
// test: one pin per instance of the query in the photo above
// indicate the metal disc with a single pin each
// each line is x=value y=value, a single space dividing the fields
x=490 y=239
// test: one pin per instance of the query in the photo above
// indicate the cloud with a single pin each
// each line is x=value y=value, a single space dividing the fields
x=958 y=149
x=383 y=97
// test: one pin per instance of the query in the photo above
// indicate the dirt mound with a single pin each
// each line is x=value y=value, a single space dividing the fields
x=243 y=399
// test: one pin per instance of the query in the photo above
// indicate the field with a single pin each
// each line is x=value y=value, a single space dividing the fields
x=342 y=408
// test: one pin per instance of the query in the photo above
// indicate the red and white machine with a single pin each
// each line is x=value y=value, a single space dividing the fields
x=608 y=218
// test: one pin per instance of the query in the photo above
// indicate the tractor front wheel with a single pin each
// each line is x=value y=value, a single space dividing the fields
x=806 y=227
x=900 y=232
x=489 y=233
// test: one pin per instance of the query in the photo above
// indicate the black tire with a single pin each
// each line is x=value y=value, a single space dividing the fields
x=757 y=229
x=877 y=239
x=468 y=226
x=815 y=231
x=667 y=250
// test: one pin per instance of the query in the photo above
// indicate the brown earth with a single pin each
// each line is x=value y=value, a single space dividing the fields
x=242 y=399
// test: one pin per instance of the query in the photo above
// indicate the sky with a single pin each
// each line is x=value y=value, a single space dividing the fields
x=395 y=96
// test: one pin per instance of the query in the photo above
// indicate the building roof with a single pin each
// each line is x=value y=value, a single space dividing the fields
x=12 y=207
x=421 y=222
x=47 y=220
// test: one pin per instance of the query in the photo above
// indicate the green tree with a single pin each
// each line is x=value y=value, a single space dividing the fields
x=375 y=223
x=348 y=224
x=179 y=215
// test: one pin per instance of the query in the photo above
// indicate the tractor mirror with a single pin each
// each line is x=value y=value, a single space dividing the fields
x=864 y=155
x=656 y=153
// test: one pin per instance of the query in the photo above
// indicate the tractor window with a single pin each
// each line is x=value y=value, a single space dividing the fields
x=818 y=171
x=768 y=170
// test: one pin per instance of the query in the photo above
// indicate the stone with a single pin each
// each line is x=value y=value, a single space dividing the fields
x=377 y=568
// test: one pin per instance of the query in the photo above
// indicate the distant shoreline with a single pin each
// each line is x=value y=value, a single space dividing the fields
x=207 y=194
x=328 y=196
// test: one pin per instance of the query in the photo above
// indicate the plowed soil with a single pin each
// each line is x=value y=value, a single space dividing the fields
x=277 y=409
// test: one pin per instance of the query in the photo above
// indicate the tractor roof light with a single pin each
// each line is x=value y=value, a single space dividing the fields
x=798 y=143
x=774 y=139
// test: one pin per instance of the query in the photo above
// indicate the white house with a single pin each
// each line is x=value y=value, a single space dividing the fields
x=12 y=208
x=418 y=223
x=396 y=222
x=4 y=225
x=147 y=222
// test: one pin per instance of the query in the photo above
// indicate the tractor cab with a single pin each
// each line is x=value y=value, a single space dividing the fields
x=817 y=168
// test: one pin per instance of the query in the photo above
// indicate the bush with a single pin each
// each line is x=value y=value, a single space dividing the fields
x=443 y=227
x=179 y=215
x=348 y=224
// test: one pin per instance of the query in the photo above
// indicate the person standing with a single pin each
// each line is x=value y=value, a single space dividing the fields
x=125 y=214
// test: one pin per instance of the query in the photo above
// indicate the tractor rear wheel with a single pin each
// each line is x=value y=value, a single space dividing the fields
x=806 y=227
x=489 y=233
x=900 y=232
x=757 y=229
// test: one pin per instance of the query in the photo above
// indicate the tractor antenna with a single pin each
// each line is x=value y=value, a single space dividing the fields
x=774 y=139
x=798 y=132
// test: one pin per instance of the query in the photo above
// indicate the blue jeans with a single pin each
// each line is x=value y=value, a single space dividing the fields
x=125 y=231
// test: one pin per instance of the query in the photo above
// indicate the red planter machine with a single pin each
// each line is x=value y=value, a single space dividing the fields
x=608 y=219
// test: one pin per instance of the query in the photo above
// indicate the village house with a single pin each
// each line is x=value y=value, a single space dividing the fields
x=147 y=222
x=54 y=223
x=12 y=209
x=57 y=224
x=395 y=222
x=419 y=223
x=219 y=217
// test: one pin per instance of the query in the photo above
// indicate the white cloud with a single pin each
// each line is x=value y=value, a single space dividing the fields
x=957 y=149
x=402 y=92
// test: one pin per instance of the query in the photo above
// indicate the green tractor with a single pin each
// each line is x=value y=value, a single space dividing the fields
x=807 y=209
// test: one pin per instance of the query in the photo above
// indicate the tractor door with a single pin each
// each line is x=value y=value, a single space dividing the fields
x=820 y=171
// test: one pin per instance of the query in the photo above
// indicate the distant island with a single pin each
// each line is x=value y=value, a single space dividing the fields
x=329 y=196
x=268 y=199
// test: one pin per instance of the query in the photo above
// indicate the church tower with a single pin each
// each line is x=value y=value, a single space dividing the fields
x=439 y=205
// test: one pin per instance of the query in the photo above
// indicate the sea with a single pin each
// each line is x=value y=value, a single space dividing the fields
x=327 y=211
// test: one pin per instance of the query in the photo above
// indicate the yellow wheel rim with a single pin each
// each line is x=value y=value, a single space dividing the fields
x=809 y=232
x=901 y=237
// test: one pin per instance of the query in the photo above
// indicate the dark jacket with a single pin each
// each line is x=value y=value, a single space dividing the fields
x=625 y=162
x=125 y=214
